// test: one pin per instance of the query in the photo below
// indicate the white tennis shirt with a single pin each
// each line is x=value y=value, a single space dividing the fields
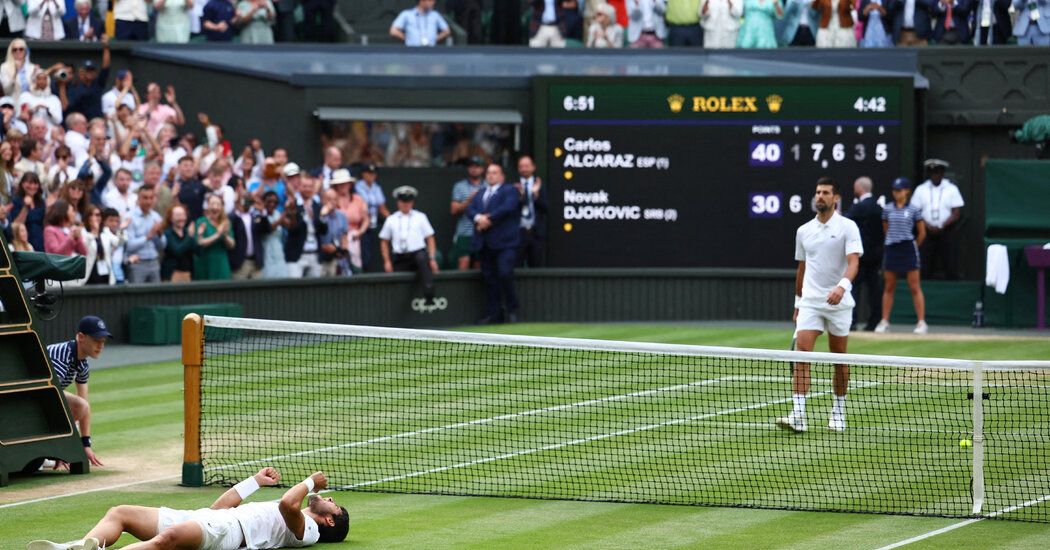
x=264 y=527
x=824 y=247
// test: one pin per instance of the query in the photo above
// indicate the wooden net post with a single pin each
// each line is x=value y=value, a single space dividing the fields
x=192 y=359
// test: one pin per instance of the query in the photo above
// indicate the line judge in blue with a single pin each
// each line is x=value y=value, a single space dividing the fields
x=420 y=26
x=496 y=212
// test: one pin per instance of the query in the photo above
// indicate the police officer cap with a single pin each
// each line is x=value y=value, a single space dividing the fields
x=901 y=183
x=405 y=193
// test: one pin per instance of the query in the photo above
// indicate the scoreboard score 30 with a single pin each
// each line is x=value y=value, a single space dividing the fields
x=708 y=172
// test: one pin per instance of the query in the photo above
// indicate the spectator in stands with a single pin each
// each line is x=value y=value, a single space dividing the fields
x=145 y=237
x=19 y=238
x=132 y=18
x=31 y=160
x=468 y=15
x=215 y=238
x=285 y=31
x=496 y=213
x=189 y=189
x=17 y=71
x=180 y=246
x=333 y=160
x=319 y=20
x=721 y=22
x=122 y=93
x=369 y=189
x=951 y=23
x=1032 y=27
x=463 y=192
x=407 y=241
x=604 y=32
x=85 y=25
x=506 y=23
x=120 y=197
x=7 y=173
x=69 y=364
x=912 y=21
x=73 y=193
x=646 y=28
x=11 y=122
x=304 y=228
x=420 y=26
x=548 y=25
x=44 y=21
x=215 y=184
x=115 y=234
x=758 y=30
x=255 y=19
x=877 y=29
x=941 y=204
x=268 y=225
x=683 y=23
x=270 y=182
x=796 y=27
x=151 y=175
x=173 y=20
x=62 y=235
x=85 y=94
x=904 y=231
x=533 y=195
x=12 y=20
x=39 y=101
x=242 y=255
x=355 y=210
x=335 y=242
x=62 y=173
x=835 y=24
x=867 y=214
x=76 y=137
x=992 y=22
x=98 y=270
x=218 y=21
x=157 y=114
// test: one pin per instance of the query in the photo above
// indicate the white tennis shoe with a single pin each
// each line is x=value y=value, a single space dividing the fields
x=792 y=422
x=921 y=328
x=837 y=423
x=89 y=543
x=882 y=327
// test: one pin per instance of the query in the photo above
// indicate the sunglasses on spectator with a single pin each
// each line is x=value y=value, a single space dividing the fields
x=18 y=49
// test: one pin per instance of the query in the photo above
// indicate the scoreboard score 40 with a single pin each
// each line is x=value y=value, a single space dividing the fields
x=708 y=172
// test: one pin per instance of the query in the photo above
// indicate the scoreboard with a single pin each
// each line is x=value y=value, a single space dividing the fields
x=708 y=172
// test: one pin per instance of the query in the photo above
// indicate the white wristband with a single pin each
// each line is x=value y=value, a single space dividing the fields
x=846 y=284
x=798 y=299
x=309 y=482
x=246 y=487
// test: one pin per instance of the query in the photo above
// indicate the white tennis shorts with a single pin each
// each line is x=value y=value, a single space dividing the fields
x=836 y=322
x=221 y=530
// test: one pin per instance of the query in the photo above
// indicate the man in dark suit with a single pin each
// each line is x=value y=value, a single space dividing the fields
x=305 y=229
x=333 y=160
x=867 y=214
x=952 y=21
x=533 y=195
x=912 y=21
x=496 y=212
x=85 y=26
x=991 y=22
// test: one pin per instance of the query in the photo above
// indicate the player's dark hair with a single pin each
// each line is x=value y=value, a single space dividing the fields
x=829 y=181
x=337 y=532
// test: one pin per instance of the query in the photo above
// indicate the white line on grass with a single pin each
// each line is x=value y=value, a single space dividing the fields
x=555 y=446
x=955 y=526
x=88 y=491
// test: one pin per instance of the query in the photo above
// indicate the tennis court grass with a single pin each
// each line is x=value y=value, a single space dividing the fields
x=141 y=404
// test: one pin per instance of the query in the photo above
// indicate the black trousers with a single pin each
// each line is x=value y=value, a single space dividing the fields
x=468 y=15
x=371 y=261
x=868 y=285
x=803 y=37
x=497 y=272
x=940 y=255
x=418 y=261
x=319 y=23
x=5 y=30
x=506 y=23
x=531 y=249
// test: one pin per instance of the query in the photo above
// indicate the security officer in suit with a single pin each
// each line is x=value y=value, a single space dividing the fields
x=496 y=212
x=867 y=214
x=533 y=192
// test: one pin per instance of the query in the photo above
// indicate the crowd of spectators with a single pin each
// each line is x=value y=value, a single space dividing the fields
x=170 y=21
x=733 y=23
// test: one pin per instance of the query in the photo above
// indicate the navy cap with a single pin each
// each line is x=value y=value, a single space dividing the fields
x=94 y=327
x=368 y=168
x=901 y=183
x=88 y=65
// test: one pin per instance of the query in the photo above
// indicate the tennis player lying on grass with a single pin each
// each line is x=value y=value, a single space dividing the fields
x=226 y=525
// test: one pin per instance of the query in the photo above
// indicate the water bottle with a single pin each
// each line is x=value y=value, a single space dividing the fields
x=978 y=314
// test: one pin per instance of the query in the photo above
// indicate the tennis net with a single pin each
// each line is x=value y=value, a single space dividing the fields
x=415 y=411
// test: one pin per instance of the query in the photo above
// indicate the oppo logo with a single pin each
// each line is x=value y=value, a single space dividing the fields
x=420 y=305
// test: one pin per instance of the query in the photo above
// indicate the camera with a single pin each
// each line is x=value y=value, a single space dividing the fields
x=62 y=74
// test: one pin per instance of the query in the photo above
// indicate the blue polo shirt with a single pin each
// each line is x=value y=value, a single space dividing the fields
x=420 y=28
x=215 y=11
x=67 y=367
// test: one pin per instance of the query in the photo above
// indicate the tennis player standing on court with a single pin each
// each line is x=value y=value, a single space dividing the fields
x=828 y=250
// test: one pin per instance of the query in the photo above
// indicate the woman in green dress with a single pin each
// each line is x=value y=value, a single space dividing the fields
x=758 y=30
x=214 y=237
x=255 y=18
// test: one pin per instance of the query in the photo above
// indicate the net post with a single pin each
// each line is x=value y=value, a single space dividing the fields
x=192 y=359
x=978 y=437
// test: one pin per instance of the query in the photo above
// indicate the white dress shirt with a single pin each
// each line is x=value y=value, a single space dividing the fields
x=937 y=202
x=406 y=232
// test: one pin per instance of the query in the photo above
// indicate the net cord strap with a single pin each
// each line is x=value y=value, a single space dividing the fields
x=618 y=346
x=978 y=437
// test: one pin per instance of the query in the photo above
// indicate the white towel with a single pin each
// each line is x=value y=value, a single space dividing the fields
x=997 y=268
